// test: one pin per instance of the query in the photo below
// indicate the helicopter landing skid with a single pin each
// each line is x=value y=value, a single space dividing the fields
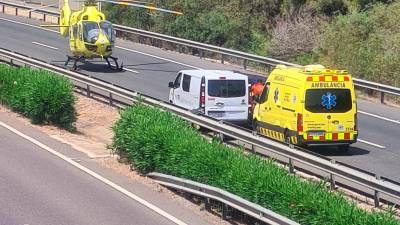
x=116 y=66
x=75 y=59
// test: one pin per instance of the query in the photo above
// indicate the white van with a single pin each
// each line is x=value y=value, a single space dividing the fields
x=220 y=94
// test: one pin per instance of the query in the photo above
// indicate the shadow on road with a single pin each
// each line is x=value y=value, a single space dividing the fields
x=333 y=151
x=90 y=66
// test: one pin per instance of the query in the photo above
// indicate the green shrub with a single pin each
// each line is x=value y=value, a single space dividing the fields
x=363 y=4
x=365 y=43
x=231 y=24
x=40 y=95
x=155 y=140
x=332 y=7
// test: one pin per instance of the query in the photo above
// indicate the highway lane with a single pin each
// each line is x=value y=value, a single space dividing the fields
x=157 y=67
x=39 y=188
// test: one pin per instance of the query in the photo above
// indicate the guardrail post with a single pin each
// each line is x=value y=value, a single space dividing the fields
x=3 y=9
x=225 y=212
x=16 y=11
x=30 y=14
x=253 y=147
x=291 y=166
x=180 y=48
x=201 y=54
x=332 y=181
x=245 y=64
x=110 y=102
x=58 y=21
x=11 y=62
x=207 y=204
x=219 y=136
x=44 y=17
x=377 y=194
x=88 y=90
x=383 y=97
x=222 y=59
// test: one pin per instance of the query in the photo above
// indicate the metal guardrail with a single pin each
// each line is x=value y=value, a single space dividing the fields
x=31 y=9
x=336 y=173
x=217 y=194
x=226 y=198
x=246 y=57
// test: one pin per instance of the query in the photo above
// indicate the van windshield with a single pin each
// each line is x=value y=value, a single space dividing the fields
x=328 y=100
x=226 y=88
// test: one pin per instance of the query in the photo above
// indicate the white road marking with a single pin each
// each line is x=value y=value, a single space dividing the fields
x=370 y=143
x=43 y=45
x=29 y=25
x=126 y=69
x=95 y=175
x=158 y=57
x=130 y=70
x=380 y=117
x=179 y=63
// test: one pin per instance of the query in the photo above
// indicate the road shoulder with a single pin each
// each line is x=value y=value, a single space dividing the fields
x=88 y=148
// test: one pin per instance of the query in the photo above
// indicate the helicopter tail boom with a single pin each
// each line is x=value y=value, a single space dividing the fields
x=65 y=15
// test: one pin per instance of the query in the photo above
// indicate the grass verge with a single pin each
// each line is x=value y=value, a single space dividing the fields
x=155 y=140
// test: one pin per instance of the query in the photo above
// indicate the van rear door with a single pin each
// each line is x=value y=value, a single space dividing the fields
x=227 y=99
x=328 y=110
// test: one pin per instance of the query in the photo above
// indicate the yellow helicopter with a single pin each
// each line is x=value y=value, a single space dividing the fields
x=90 y=34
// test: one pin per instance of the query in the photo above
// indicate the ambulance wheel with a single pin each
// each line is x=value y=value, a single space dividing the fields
x=343 y=148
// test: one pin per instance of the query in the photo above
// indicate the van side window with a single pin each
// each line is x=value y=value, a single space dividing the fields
x=264 y=95
x=186 y=82
x=177 y=82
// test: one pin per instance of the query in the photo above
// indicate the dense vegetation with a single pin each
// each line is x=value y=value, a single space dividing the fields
x=155 y=140
x=40 y=95
x=359 y=35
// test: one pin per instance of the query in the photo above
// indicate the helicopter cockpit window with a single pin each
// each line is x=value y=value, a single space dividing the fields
x=91 y=32
x=107 y=29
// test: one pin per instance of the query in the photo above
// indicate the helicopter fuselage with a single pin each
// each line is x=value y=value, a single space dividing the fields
x=90 y=35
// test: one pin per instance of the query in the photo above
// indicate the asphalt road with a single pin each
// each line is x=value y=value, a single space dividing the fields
x=38 y=188
x=150 y=69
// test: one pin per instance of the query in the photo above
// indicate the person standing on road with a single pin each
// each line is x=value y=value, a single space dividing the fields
x=257 y=89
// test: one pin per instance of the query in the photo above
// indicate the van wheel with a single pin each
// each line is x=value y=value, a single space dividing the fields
x=343 y=148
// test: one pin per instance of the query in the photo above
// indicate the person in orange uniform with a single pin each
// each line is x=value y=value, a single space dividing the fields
x=257 y=89
x=255 y=92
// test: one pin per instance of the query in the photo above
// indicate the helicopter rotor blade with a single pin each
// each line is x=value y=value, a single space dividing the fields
x=51 y=25
x=128 y=3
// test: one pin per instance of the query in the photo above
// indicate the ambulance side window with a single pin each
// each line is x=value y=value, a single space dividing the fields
x=264 y=94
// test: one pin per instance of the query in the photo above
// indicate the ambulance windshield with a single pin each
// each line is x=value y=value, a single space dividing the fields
x=328 y=100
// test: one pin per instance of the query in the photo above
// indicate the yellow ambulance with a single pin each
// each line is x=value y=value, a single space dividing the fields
x=308 y=106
